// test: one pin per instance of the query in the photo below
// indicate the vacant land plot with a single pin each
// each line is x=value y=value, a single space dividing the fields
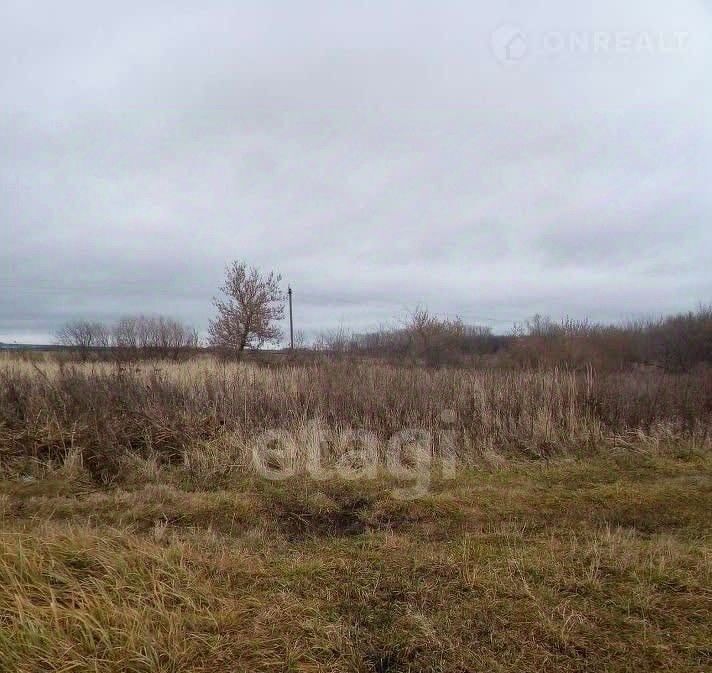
x=572 y=534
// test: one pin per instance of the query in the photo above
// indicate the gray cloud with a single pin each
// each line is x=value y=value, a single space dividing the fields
x=378 y=156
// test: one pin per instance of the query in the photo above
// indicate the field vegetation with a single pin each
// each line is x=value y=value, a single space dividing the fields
x=565 y=523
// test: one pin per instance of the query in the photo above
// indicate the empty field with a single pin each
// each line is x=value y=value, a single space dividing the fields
x=572 y=533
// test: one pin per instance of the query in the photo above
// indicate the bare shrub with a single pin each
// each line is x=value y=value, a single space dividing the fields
x=336 y=341
x=83 y=336
x=130 y=338
x=423 y=338
x=676 y=343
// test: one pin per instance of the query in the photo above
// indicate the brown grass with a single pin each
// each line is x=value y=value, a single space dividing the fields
x=135 y=536
x=166 y=411
x=594 y=565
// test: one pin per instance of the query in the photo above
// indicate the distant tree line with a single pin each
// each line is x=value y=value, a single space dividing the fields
x=252 y=304
x=423 y=338
x=674 y=343
x=248 y=315
x=130 y=337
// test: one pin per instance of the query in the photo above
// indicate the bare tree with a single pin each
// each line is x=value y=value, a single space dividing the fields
x=422 y=328
x=157 y=336
x=125 y=334
x=336 y=341
x=300 y=339
x=248 y=315
x=83 y=335
x=173 y=337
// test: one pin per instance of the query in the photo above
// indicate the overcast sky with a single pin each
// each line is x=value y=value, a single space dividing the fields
x=487 y=160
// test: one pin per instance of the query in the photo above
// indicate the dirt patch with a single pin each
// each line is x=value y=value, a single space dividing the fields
x=299 y=519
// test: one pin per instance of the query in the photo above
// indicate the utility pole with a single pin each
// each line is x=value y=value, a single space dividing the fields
x=291 y=323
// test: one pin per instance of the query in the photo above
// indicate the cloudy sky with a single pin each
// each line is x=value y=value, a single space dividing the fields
x=485 y=159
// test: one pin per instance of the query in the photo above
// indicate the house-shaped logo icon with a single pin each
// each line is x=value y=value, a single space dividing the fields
x=509 y=44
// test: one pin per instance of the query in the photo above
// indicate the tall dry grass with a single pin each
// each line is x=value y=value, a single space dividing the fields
x=162 y=410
